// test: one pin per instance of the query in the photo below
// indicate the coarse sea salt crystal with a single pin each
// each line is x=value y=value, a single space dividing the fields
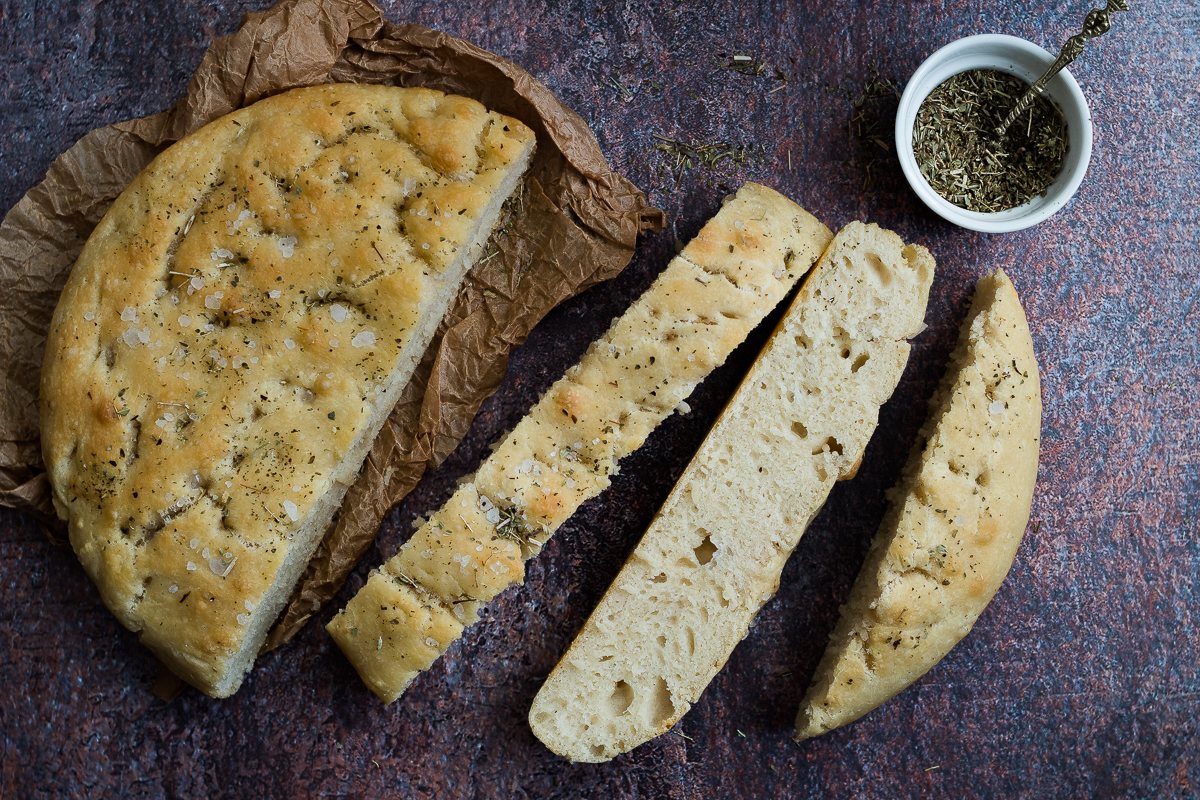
x=205 y=553
x=191 y=567
x=493 y=515
x=243 y=619
x=143 y=335
x=333 y=342
x=130 y=337
x=570 y=483
x=219 y=567
x=213 y=301
x=172 y=588
x=221 y=254
x=89 y=316
x=249 y=606
x=996 y=407
x=184 y=320
x=194 y=543
x=431 y=642
x=197 y=282
x=363 y=339
x=162 y=423
x=289 y=344
x=293 y=511
x=287 y=246
x=338 y=312
x=274 y=294
x=334 y=262
x=129 y=314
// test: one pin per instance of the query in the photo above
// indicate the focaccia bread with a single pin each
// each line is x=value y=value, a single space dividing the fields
x=740 y=265
x=954 y=521
x=234 y=334
x=712 y=557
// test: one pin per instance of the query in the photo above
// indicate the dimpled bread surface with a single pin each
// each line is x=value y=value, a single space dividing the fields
x=235 y=332
x=799 y=421
x=953 y=524
x=564 y=452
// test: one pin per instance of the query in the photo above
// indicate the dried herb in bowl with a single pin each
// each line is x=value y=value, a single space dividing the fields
x=961 y=157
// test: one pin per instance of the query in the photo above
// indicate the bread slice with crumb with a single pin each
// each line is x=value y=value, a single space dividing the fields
x=713 y=555
x=953 y=525
x=564 y=452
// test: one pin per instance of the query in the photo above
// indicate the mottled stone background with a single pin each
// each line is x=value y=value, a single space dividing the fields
x=1080 y=679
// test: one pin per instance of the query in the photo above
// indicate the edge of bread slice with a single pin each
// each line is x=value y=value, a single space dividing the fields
x=564 y=452
x=799 y=421
x=954 y=521
x=282 y=271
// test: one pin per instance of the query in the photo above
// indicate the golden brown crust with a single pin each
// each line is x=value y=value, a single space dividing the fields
x=954 y=523
x=232 y=330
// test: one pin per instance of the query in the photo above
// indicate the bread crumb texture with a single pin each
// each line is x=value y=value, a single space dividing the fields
x=565 y=451
x=713 y=555
x=234 y=333
x=953 y=524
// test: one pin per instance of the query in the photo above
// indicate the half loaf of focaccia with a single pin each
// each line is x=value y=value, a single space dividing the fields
x=235 y=333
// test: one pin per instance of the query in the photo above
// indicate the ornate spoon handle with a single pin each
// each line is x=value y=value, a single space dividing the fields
x=1097 y=23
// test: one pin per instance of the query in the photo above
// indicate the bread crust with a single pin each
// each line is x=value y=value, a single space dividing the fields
x=564 y=452
x=233 y=334
x=954 y=521
x=712 y=557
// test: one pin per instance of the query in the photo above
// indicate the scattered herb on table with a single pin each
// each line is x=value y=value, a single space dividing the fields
x=687 y=155
x=872 y=107
x=957 y=150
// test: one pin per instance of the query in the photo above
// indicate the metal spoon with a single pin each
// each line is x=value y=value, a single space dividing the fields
x=1096 y=24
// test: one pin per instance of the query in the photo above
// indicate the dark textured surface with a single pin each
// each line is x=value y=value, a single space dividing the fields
x=1081 y=678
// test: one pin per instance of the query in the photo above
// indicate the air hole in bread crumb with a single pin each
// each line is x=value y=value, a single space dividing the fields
x=660 y=708
x=659 y=578
x=804 y=341
x=662 y=640
x=881 y=271
x=706 y=549
x=858 y=362
x=620 y=700
x=984 y=478
x=954 y=466
x=845 y=352
x=830 y=445
x=799 y=429
x=110 y=356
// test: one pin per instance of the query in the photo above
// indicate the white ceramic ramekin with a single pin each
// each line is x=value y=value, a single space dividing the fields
x=1027 y=61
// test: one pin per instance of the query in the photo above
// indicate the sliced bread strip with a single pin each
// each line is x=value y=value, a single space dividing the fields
x=953 y=525
x=235 y=333
x=713 y=555
x=740 y=265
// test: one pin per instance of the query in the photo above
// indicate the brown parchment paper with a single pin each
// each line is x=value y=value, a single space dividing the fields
x=574 y=224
